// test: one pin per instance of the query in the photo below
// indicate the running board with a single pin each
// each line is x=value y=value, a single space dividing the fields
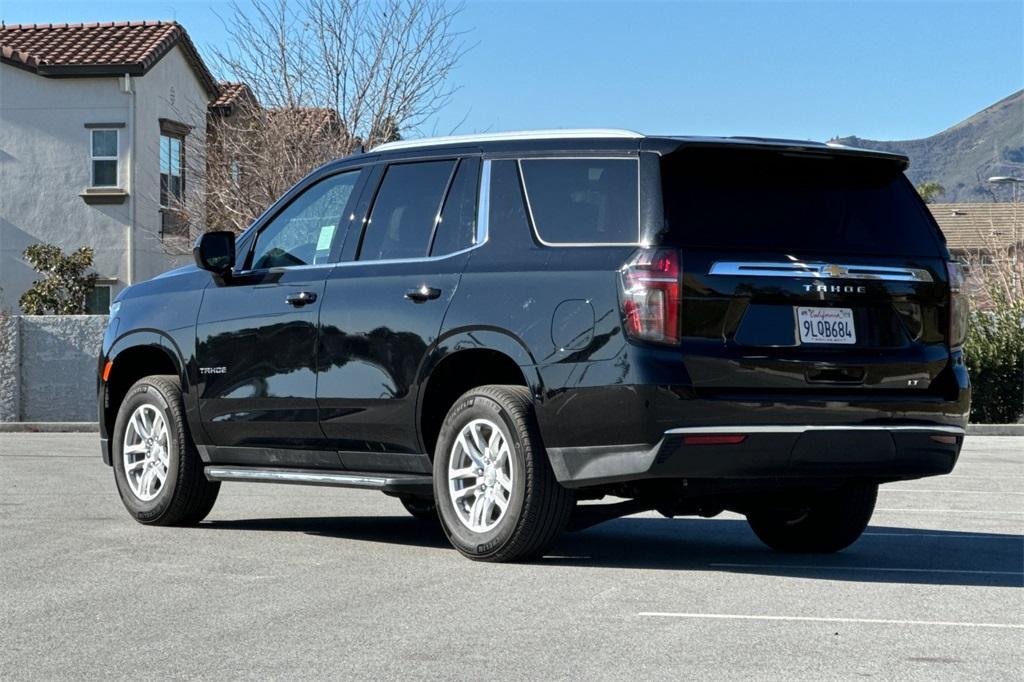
x=401 y=484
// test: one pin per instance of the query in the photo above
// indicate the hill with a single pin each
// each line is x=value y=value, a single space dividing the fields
x=961 y=158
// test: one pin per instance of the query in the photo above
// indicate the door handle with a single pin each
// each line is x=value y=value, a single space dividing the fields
x=301 y=298
x=422 y=294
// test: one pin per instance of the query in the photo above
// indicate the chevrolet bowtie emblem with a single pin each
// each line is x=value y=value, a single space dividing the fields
x=834 y=270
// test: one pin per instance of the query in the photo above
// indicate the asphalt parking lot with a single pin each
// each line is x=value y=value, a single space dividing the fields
x=285 y=581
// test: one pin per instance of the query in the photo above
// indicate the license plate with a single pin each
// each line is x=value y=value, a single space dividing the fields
x=825 y=325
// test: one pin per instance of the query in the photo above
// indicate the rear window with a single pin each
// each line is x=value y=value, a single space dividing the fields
x=776 y=201
x=583 y=201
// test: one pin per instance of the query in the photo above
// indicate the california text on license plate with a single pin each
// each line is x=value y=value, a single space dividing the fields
x=825 y=325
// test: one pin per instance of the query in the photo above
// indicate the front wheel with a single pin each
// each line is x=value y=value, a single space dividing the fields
x=823 y=524
x=496 y=494
x=157 y=469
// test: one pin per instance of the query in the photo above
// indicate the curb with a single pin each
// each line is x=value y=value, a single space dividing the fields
x=995 y=429
x=49 y=427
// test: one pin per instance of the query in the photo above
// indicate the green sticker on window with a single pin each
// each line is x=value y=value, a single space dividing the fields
x=323 y=243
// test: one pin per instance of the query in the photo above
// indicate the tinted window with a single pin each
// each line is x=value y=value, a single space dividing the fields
x=406 y=209
x=303 y=232
x=583 y=201
x=458 y=218
x=773 y=201
x=508 y=211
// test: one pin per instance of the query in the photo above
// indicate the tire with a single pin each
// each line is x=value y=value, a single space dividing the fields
x=828 y=523
x=185 y=496
x=420 y=508
x=537 y=507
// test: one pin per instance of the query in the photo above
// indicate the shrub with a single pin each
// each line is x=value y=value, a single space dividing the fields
x=65 y=285
x=994 y=352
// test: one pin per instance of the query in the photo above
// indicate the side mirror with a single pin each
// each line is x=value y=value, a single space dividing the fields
x=215 y=251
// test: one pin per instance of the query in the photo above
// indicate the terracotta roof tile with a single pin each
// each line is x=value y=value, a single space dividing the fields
x=231 y=94
x=111 y=48
x=980 y=226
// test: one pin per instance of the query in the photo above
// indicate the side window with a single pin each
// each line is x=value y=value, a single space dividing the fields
x=457 y=228
x=104 y=154
x=583 y=201
x=303 y=232
x=97 y=300
x=406 y=209
x=172 y=163
x=508 y=211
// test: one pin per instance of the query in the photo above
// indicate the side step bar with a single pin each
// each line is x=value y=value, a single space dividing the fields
x=400 y=484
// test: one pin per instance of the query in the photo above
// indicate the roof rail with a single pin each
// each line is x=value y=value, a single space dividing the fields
x=554 y=134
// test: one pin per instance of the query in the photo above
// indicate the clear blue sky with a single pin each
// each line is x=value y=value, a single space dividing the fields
x=883 y=70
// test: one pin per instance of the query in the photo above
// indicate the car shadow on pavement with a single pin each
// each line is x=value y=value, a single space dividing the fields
x=883 y=554
x=398 y=530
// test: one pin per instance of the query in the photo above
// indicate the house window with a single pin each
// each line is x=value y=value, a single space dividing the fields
x=97 y=300
x=172 y=181
x=104 y=157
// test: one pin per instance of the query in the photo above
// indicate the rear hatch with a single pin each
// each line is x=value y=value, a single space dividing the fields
x=805 y=270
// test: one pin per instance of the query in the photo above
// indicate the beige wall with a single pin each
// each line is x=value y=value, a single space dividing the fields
x=170 y=90
x=45 y=165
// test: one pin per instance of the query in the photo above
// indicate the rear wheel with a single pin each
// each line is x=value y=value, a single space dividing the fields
x=826 y=523
x=496 y=494
x=157 y=469
x=421 y=508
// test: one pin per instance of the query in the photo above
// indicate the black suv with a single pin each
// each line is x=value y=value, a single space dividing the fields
x=495 y=328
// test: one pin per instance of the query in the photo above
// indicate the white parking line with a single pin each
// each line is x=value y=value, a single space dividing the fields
x=871 y=569
x=950 y=511
x=956 y=492
x=814 y=619
x=956 y=536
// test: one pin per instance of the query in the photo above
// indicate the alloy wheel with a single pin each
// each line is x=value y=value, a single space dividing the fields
x=480 y=475
x=146 y=452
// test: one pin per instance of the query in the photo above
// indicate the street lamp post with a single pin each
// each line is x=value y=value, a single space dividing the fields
x=1007 y=180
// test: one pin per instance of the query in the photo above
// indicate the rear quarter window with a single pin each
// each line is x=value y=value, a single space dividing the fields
x=583 y=201
x=774 y=201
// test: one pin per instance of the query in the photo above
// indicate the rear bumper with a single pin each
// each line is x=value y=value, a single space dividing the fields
x=886 y=452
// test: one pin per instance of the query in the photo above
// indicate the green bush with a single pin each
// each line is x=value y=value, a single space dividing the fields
x=65 y=283
x=995 y=359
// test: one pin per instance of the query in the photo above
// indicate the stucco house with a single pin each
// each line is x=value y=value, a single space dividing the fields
x=99 y=126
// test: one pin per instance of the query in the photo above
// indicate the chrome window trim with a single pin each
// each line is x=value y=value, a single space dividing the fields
x=818 y=270
x=483 y=205
x=285 y=268
x=741 y=430
x=576 y=157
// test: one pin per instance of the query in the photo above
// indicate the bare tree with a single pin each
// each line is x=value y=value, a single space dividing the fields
x=996 y=266
x=314 y=80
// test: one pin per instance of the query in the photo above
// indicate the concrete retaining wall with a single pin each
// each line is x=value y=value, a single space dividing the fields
x=48 y=367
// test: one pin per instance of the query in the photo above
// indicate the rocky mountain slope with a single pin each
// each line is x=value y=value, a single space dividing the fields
x=963 y=157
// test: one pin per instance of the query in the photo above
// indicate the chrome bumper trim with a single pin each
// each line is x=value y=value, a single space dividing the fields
x=741 y=430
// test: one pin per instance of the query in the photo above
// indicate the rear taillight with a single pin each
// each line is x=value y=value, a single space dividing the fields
x=650 y=282
x=958 y=305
